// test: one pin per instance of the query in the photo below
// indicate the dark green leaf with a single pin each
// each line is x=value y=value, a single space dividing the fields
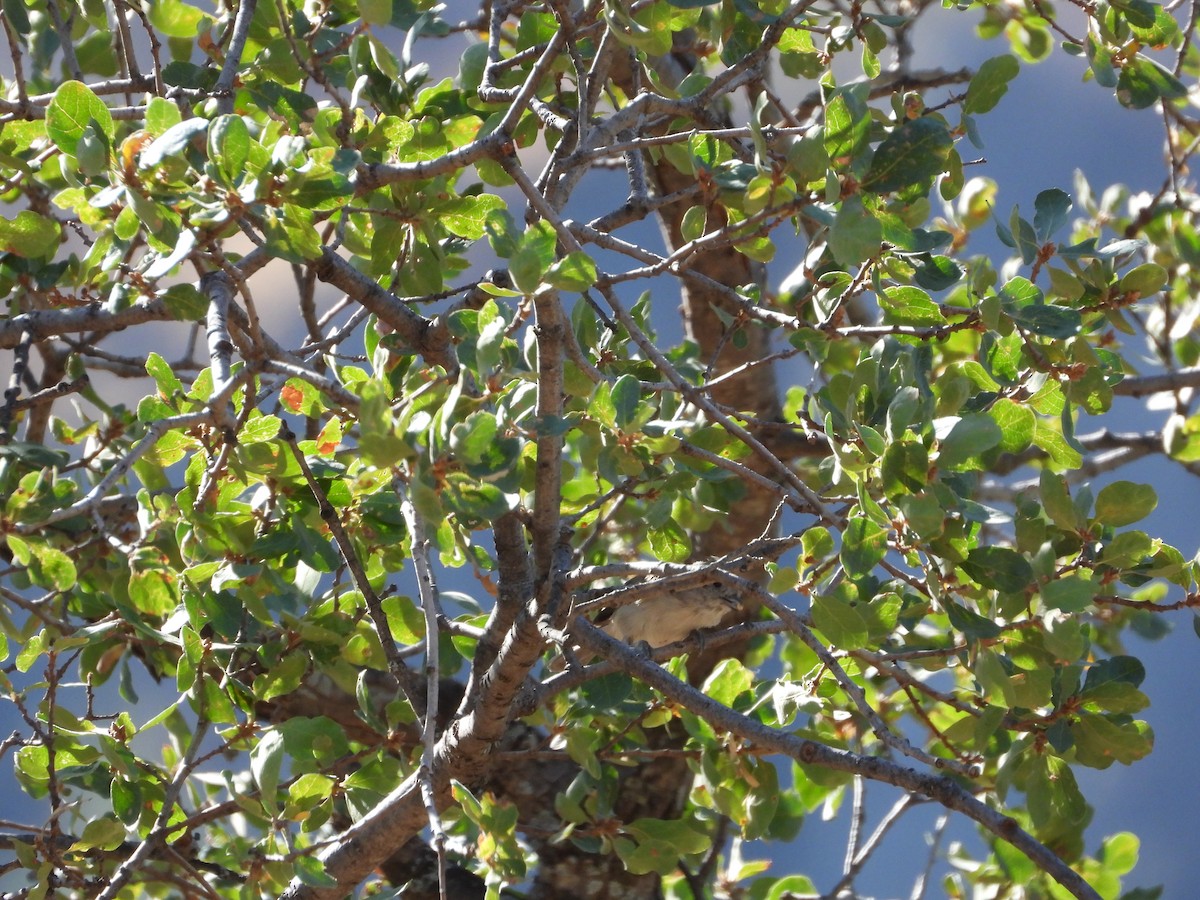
x=1125 y=669
x=916 y=151
x=969 y=622
x=18 y=18
x=1051 y=208
x=999 y=568
x=1050 y=321
x=1143 y=82
x=626 y=396
x=938 y=273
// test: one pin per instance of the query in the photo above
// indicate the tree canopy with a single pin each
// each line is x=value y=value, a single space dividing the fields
x=365 y=356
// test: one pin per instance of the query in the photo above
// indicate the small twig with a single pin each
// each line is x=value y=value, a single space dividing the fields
x=404 y=676
x=854 y=865
x=14 y=48
x=13 y=392
x=941 y=789
x=801 y=628
x=431 y=605
x=65 y=39
x=128 y=56
x=89 y=504
x=170 y=797
x=939 y=829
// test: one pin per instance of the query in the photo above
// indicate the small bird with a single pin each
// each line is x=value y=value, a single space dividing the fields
x=671 y=617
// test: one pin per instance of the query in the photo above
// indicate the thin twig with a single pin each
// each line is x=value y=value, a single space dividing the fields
x=431 y=605
x=404 y=676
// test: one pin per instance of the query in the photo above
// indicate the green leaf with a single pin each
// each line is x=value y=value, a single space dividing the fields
x=905 y=467
x=847 y=126
x=71 y=108
x=839 y=621
x=175 y=19
x=104 y=833
x=14 y=11
x=1000 y=568
x=916 y=151
x=990 y=84
x=728 y=681
x=30 y=235
x=938 y=273
x=864 y=544
x=907 y=305
x=310 y=870
x=1101 y=741
x=1124 y=502
x=855 y=235
x=669 y=542
x=626 y=397
x=467 y=217
x=52 y=568
x=1120 y=854
x=1050 y=321
x=1016 y=424
x=970 y=622
x=375 y=12
x=266 y=763
x=970 y=436
x=574 y=272
x=533 y=256
x=185 y=302
x=1156 y=30
x=161 y=114
x=290 y=234
x=1123 y=669
x=1143 y=280
x=1143 y=82
x=657 y=844
x=229 y=146
x=1051 y=208
x=172 y=143
x=1071 y=593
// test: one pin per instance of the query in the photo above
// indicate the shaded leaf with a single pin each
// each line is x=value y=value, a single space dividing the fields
x=916 y=151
